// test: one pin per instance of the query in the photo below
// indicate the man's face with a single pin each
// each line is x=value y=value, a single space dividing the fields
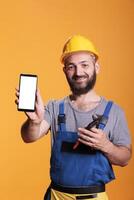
x=80 y=70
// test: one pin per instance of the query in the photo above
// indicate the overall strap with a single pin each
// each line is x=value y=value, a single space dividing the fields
x=105 y=115
x=61 y=118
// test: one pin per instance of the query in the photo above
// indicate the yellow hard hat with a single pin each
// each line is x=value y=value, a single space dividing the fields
x=78 y=43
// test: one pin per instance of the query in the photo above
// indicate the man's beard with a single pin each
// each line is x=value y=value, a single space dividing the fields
x=79 y=90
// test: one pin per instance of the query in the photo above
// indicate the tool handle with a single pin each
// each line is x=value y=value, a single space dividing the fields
x=76 y=145
x=92 y=124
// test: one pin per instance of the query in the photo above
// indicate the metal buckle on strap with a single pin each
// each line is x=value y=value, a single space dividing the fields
x=61 y=118
x=103 y=120
x=90 y=196
x=79 y=190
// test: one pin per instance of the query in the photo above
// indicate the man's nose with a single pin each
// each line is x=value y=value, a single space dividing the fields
x=78 y=71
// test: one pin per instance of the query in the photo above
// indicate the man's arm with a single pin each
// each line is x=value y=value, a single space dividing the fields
x=32 y=131
x=35 y=126
x=96 y=138
x=118 y=155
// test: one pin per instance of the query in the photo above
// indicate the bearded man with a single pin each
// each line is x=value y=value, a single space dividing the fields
x=82 y=154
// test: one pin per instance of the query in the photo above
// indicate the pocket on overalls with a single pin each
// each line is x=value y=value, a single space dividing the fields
x=103 y=171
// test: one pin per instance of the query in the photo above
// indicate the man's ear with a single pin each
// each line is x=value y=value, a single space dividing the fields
x=97 y=67
x=64 y=69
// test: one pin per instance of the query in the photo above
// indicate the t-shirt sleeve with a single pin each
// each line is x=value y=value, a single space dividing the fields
x=50 y=116
x=121 y=134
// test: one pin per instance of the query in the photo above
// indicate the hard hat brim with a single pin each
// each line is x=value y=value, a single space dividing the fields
x=66 y=55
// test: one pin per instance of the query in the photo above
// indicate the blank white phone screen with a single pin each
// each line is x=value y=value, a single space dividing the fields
x=27 y=92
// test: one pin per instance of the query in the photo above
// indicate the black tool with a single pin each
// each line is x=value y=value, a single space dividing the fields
x=95 y=123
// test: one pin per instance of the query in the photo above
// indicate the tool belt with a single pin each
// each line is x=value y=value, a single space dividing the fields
x=78 y=190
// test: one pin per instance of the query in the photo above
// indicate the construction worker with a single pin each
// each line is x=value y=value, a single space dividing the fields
x=89 y=134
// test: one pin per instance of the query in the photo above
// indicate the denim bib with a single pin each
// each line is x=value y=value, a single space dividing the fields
x=81 y=167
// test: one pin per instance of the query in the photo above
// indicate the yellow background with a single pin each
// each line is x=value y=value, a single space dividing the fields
x=32 y=34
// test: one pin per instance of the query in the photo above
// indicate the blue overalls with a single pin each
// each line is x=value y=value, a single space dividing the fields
x=81 y=167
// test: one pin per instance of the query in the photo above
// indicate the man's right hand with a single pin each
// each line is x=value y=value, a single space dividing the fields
x=35 y=127
x=38 y=115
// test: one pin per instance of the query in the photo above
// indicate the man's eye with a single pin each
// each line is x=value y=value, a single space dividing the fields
x=71 y=67
x=84 y=65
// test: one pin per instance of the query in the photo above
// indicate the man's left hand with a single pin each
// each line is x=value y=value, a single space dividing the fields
x=94 y=138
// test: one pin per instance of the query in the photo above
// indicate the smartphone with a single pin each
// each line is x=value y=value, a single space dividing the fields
x=27 y=90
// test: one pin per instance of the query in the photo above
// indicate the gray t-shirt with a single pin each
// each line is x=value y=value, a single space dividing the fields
x=116 y=128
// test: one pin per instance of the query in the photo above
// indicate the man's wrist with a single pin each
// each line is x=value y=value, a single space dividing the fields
x=108 y=148
x=34 y=122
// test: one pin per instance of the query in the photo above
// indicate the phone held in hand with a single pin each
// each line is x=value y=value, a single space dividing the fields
x=27 y=90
